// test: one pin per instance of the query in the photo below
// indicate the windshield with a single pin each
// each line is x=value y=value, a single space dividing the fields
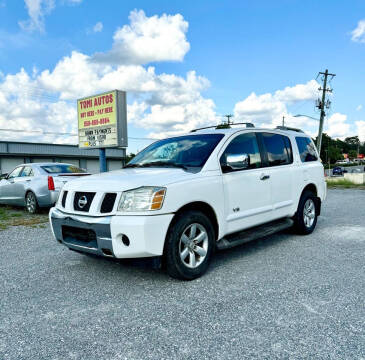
x=183 y=151
x=62 y=169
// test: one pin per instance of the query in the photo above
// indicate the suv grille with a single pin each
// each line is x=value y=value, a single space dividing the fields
x=108 y=202
x=83 y=200
x=79 y=236
x=64 y=196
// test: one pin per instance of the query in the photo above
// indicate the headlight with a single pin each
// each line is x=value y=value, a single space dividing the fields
x=142 y=199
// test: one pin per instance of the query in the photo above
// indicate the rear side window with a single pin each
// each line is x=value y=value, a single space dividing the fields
x=278 y=149
x=62 y=169
x=243 y=144
x=307 y=150
x=27 y=171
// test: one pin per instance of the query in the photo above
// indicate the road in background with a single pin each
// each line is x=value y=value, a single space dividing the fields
x=348 y=168
x=286 y=296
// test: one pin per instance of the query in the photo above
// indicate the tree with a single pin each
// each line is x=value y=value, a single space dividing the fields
x=334 y=154
x=352 y=141
x=129 y=157
x=352 y=154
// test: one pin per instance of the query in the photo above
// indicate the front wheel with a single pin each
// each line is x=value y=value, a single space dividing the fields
x=189 y=245
x=31 y=204
x=306 y=217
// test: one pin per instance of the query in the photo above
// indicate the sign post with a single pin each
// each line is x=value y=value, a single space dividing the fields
x=102 y=122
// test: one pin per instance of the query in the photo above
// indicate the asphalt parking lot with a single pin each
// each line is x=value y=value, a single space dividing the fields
x=282 y=297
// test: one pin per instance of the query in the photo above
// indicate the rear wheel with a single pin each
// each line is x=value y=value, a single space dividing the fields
x=305 y=219
x=31 y=204
x=189 y=246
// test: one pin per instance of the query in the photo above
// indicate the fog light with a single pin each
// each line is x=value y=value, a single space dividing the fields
x=125 y=240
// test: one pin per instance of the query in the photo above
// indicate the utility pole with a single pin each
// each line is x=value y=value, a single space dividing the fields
x=228 y=116
x=321 y=105
x=283 y=120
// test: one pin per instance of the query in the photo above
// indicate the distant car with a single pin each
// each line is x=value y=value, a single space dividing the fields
x=357 y=170
x=36 y=185
x=338 y=171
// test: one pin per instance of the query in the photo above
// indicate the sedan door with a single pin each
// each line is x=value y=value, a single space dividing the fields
x=8 y=192
x=247 y=190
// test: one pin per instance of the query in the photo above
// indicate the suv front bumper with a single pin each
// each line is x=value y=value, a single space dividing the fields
x=104 y=235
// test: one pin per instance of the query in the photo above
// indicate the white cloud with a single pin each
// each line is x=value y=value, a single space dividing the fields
x=162 y=103
x=37 y=9
x=358 y=34
x=360 y=125
x=148 y=39
x=338 y=127
x=359 y=107
x=268 y=109
x=98 y=27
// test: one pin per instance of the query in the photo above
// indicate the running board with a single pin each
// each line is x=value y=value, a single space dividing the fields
x=254 y=233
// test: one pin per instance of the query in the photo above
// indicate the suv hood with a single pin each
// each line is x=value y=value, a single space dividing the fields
x=126 y=179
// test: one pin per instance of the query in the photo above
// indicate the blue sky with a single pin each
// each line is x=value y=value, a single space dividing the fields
x=235 y=48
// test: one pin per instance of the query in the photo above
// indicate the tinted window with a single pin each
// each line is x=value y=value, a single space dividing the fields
x=276 y=148
x=62 y=169
x=27 y=171
x=306 y=149
x=189 y=151
x=15 y=173
x=243 y=144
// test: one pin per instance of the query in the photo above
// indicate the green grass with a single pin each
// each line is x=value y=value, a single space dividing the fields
x=344 y=184
x=12 y=216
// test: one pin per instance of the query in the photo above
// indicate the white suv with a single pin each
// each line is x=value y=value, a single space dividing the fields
x=184 y=197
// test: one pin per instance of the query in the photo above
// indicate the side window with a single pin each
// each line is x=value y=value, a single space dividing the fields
x=289 y=149
x=307 y=149
x=15 y=173
x=28 y=171
x=277 y=149
x=243 y=144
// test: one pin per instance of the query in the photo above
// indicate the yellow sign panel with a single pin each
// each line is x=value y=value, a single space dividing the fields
x=97 y=120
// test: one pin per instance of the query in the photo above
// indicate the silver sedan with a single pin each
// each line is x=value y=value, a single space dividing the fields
x=36 y=185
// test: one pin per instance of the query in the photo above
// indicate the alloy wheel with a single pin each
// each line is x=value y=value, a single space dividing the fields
x=193 y=246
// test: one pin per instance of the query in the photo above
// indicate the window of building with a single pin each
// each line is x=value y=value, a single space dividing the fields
x=306 y=149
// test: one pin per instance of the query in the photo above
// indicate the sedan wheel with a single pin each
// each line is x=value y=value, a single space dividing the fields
x=31 y=203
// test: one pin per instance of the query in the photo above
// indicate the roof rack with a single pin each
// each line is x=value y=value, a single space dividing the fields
x=224 y=126
x=289 y=128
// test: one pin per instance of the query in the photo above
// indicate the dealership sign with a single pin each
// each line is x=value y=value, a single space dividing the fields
x=102 y=120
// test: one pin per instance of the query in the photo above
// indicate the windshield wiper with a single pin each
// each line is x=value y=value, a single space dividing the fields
x=132 y=166
x=161 y=164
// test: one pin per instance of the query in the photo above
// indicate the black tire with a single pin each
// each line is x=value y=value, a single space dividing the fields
x=174 y=245
x=31 y=203
x=300 y=224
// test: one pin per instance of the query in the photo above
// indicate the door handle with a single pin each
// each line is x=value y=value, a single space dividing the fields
x=264 y=177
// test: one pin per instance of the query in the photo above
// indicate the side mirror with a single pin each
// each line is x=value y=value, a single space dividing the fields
x=238 y=161
x=3 y=176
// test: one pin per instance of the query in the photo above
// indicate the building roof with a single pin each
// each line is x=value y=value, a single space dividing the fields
x=18 y=148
